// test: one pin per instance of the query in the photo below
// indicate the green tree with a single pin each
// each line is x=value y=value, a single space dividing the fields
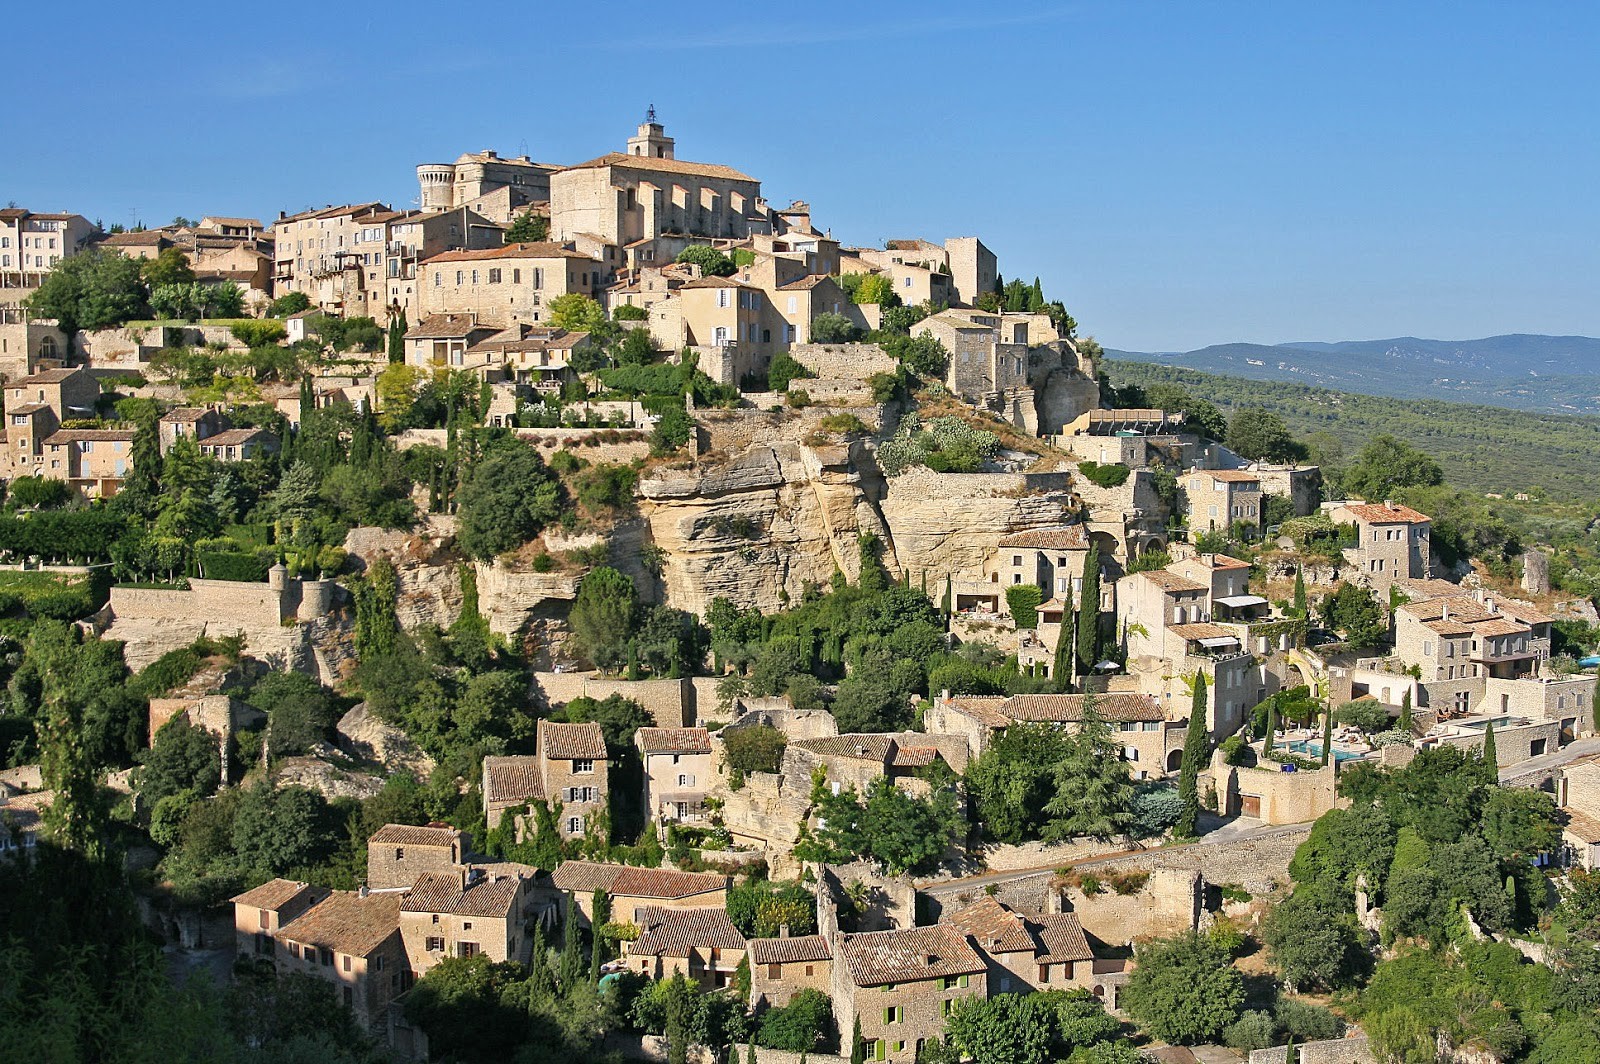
x=799 y=1025
x=1301 y=607
x=288 y=304
x=712 y=262
x=1386 y=465
x=1011 y=781
x=1184 y=989
x=831 y=328
x=1089 y=614
x=1005 y=1029
x=169 y=267
x=576 y=312
x=1093 y=790
x=1196 y=742
x=1354 y=611
x=397 y=338
x=1314 y=939
x=602 y=616
x=182 y=757
x=93 y=289
x=377 y=632
x=507 y=499
x=1023 y=601
x=1260 y=434
x=528 y=228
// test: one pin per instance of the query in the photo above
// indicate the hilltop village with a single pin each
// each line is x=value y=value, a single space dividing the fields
x=598 y=613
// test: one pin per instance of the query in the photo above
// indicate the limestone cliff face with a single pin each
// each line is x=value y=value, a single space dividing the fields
x=424 y=560
x=761 y=526
x=777 y=515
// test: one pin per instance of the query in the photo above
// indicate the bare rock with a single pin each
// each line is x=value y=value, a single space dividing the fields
x=330 y=781
x=364 y=736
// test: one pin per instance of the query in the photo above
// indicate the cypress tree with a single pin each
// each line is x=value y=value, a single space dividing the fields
x=858 y=1048
x=602 y=915
x=1491 y=758
x=947 y=605
x=1300 y=604
x=1063 y=665
x=1327 y=736
x=571 y=949
x=733 y=1053
x=1405 y=711
x=308 y=398
x=1272 y=722
x=1195 y=743
x=1089 y=614
x=397 y=337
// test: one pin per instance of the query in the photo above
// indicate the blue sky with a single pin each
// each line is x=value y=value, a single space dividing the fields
x=1178 y=173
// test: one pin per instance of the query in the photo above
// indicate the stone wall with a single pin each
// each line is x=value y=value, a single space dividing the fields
x=1352 y=1050
x=596 y=445
x=855 y=362
x=669 y=702
x=1511 y=745
x=1283 y=797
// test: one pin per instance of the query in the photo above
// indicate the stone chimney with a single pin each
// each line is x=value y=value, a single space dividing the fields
x=783 y=930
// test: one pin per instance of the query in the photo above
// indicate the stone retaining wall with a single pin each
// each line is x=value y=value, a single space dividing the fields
x=847 y=361
x=1353 y=1050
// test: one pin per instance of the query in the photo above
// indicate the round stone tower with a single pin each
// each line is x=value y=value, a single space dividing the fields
x=436 y=180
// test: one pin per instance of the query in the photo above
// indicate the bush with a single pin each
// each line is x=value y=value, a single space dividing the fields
x=61 y=605
x=783 y=370
x=843 y=423
x=1106 y=476
x=799 y=399
x=831 y=328
x=259 y=333
x=39 y=492
x=798 y=1025
x=755 y=749
x=1023 y=600
x=1234 y=750
x=1369 y=715
x=1256 y=1029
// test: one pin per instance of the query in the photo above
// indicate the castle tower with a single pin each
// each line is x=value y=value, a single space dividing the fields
x=651 y=141
x=437 y=181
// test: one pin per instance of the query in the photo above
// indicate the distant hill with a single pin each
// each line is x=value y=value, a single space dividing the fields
x=1520 y=371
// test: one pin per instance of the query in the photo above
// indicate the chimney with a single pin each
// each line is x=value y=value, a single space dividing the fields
x=1388 y=504
x=1445 y=612
x=282 y=215
x=783 y=930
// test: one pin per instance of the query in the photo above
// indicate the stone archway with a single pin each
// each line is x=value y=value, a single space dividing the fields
x=1175 y=761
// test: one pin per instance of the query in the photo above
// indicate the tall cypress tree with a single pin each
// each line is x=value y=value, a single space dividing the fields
x=572 y=963
x=1405 y=712
x=1089 y=614
x=1301 y=606
x=1272 y=722
x=1491 y=757
x=1327 y=736
x=1195 y=745
x=858 y=1047
x=602 y=916
x=1064 y=655
x=397 y=337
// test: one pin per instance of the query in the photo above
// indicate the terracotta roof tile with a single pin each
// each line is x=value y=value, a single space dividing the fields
x=673 y=740
x=569 y=742
x=411 y=835
x=674 y=932
x=546 y=250
x=448 y=326
x=861 y=746
x=995 y=927
x=1201 y=630
x=663 y=883
x=514 y=778
x=789 y=950
x=235 y=437
x=1062 y=937
x=65 y=436
x=273 y=894
x=667 y=166
x=1169 y=581
x=438 y=893
x=49 y=376
x=909 y=955
x=1391 y=514
x=1524 y=612
x=347 y=922
x=1066 y=537
x=1069 y=708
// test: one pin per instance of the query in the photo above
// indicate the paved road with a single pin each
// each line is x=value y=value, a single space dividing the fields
x=1218 y=832
x=1547 y=762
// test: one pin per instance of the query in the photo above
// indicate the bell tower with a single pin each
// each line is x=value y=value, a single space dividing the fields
x=651 y=141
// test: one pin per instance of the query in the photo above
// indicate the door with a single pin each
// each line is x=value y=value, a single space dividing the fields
x=1250 y=805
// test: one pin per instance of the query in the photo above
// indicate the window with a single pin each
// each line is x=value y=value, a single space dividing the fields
x=574 y=825
x=466 y=949
x=377 y=964
x=722 y=298
x=774 y=971
x=435 y=944
x=894 y=1014
x=685 y=780
x=494 y=276
x=349 y=997
x=583 y=765
x=460 y=276
x=294 y=950
x=327 y=958
x=345 y=957
x=1044 y=973
x=466 y=925
x=951 y=982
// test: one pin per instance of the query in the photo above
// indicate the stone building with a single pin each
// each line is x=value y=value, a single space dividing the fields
x=398 y=855
x=351 y=940
x=1151 y=745
x=509 y=284
x=1024 y=952
x=31 y=245
x=464 y=913
x=678 y=771
x=700 y=944
x=633 y=889
x=1217 y=499
x=1392 y=541
x=95 y=461
x=647 y=192
x=259 y=913
x=781 y=967
x=483 y=182
x=1578 y=795
x=189 y=422
x=901 y=985
x=569 y=771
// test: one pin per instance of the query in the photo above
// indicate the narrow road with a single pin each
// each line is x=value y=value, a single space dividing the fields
x=1546 y=763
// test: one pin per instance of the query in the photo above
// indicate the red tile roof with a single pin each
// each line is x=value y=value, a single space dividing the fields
x=909 y=955
x=514 y=778
x=995 y=927
x=673 y=740
x=273 y=894
x=667 y=166
x=1387 y=514
x=411 y=835
x=438 y=893
x=546 y=250
x=674 y=932
x=1066 y=537
x=663 y=883
x=569 y=742
x=789 y=950
x=347 y=922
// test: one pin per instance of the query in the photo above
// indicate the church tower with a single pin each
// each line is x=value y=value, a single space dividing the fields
x=651 y=141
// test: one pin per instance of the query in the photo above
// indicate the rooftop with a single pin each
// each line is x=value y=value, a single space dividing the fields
x=570 y=742
x=1063 y=537
x=512 y=778
x=439 y=893
x=548 y=249
x=622 y=161
x=789 y=950
x=273 y=894
x=674 y=932
x=1170 y=581
x=1228 y=476
x=347 y=922
x=663 y=883
x=410 y=835
x=1387 y=513
x=673 y=740
x=909 y=955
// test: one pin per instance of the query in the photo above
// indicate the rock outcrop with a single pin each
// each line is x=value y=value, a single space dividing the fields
x=362 y=735
x=424 y=560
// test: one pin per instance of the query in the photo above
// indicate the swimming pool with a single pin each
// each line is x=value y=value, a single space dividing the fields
x=1308 y=748
x=1498 y=722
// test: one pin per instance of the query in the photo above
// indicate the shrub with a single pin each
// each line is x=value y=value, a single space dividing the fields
x=755 y=749
x=831 y=328
x=542 y=562
x=799 y=399
x=1234 y=749
x=61 y=605
x=1126 y=883
x=39 y=492
x=783 y=370
x=1090 y=884
x=1106 y=476
x=260 y=332
x=1369 y=715
x=1023 y=601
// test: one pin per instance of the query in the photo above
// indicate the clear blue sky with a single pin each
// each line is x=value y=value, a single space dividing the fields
x=1178 y=173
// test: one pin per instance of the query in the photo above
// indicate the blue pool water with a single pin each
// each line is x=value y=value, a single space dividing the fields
x=1314 y=749
x=1590 y=662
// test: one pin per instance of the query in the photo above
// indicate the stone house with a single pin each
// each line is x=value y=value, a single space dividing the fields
x=678 y=771
x=901 y=985
x=95 y=461
x=468 y=912
x=857 y=759
x=239 y=445
x=1151 y=744
x=21 y=819
x=1392 y=541
x=192 y=422
x=69 y=393
x=31 y=244
x=440 y=342
x=783 y=966
x=28 y=345
x=1578 y=795
x=351 y=940
x=537 y=359
x=1045 y=951
x=700 y=944
x=570 y=771
x=514 y=283
x=633 y=889
x=1216 y=499
x=259 y=913
x=483 y=182
x=398 y=855
x=647 y=192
